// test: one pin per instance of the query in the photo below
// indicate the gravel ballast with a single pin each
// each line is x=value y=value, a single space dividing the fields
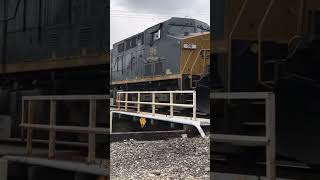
x=178 y=158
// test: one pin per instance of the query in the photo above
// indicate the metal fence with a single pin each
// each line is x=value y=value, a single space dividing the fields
x=153 y=103
x=27 y=122
x=269 y=140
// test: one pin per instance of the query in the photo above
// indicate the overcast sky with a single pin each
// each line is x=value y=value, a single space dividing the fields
x=129 y=17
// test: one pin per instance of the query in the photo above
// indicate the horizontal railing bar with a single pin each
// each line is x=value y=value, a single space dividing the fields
x=156 y=92
x=240 y=95
x=67 y=97
x=147 y=132
x=159 y=104
x=74 y=129
x=60 y=164
x=240 y=139
x=43 y=141
x=115 y=106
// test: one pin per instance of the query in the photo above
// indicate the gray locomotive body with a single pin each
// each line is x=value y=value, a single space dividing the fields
x=161 y=58
x=153 y=53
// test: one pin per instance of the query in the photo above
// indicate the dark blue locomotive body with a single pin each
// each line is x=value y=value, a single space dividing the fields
x=38 y=30
x=52 y=47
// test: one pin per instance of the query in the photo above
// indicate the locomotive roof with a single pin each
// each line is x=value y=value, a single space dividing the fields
x=175 y=21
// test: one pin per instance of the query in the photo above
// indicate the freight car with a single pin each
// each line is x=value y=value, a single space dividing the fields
x=268 y=46
x=52 y=47
x=172 y=55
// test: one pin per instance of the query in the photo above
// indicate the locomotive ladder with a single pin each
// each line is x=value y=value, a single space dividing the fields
x=192 y=121
x=268 y=141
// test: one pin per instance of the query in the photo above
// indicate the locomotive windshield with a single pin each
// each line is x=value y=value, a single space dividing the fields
x=175 y=30
x=203 y=29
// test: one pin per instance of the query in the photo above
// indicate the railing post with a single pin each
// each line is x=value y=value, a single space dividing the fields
x=171 y=104
x=126 y=103
x=138 y=105
x=270 y=128
x=153 y=105
x=52 y=133
x=28 y=116
x=92 y=135
x=22 y=119
x=194 y=101
x=29 y=129
x=271 y=136
x=111 y=118
x=118 y=100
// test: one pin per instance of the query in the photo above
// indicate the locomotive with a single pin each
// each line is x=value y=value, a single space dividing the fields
x=172 y=55
x=52 y=47
x=268 y=46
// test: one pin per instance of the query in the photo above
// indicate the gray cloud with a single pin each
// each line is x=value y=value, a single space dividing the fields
x=165 y=6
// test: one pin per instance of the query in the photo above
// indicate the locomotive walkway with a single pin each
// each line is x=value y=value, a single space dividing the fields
x=192 y=121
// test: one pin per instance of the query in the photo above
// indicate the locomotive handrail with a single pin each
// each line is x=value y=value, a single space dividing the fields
x=91 y=129
x=157 y=92
x=263 y=20
x=185 y=65
x=136 y=111
x=153 y=103
x=269 y=140
x=159 y=104
x=194 y=63
x=235 y=24
x=14 y=14
x=66 y=97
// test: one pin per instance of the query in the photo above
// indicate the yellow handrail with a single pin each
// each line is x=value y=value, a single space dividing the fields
x=194 y=63
x=230 y=41
x=184 y=67
x=260 y=39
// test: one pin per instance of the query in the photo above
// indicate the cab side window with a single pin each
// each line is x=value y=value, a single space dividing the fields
x=156 y=35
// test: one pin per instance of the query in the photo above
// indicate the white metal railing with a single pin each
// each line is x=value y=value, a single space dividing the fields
x=28 y=122
x=268 y=141
x=153 y=103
